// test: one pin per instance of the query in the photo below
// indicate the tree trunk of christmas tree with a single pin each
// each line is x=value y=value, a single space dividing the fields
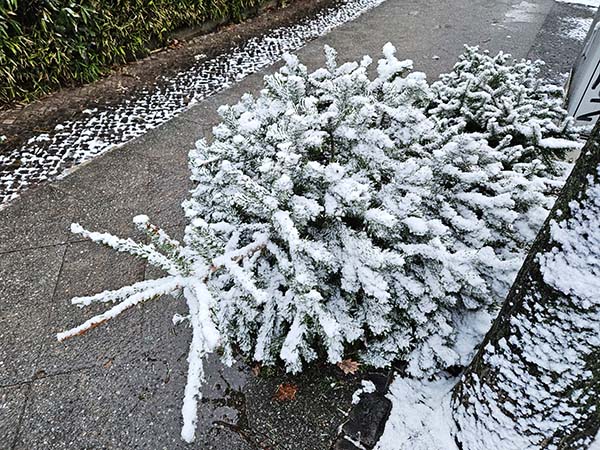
x=535 y=382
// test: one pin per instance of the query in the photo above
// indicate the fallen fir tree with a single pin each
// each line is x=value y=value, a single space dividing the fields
x=336 y=211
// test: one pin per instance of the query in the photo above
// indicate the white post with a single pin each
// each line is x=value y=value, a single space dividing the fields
x=584 y=83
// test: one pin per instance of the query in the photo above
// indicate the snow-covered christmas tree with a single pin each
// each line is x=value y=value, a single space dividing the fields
x=507 y=102
x=337 y=211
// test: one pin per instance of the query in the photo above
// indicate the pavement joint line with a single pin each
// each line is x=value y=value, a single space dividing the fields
x=29 y=396
x=29 y=391
x=15 y=441
x=41 y=347
x=37 y=377
x=142 y=310
x=40 y=247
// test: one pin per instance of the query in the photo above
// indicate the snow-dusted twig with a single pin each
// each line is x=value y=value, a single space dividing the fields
x=205 y=338
x=147 y=252
x=118 y=294
x=238 y=255
x=166 y=286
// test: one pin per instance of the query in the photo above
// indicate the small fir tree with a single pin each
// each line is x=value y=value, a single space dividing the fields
x=338 y=211
x=507 y=102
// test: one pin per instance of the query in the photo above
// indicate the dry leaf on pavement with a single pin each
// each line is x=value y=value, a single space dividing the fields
x=348 y=366
x=286 y=392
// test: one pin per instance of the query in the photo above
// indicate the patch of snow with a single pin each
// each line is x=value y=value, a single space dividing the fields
x=596 y=444
x=556 y=143
x=576 y=27
x=367 y=388
x=473 y=326
x=589 y=3
x=357 y=444
x=421 y=417
x=416 y=225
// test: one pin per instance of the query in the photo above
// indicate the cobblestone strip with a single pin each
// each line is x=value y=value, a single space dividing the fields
x=49 y=155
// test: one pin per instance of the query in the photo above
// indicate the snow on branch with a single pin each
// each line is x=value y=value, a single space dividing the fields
x=147 y=252
x=166 y=286
x=118 y=294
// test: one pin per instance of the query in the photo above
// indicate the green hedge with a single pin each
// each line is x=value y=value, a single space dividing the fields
x=45 y=44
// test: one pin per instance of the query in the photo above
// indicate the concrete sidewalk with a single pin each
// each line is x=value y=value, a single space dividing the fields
x=120 y=386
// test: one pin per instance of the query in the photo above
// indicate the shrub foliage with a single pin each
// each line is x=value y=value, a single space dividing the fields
x=45 y=44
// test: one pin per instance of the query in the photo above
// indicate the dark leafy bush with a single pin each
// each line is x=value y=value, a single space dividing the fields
x=46 y=44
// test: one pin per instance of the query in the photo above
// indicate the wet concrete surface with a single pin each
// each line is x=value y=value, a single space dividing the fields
x=561 y=38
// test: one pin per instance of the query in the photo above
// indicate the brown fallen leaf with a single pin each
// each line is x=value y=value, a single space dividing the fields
x=348 y=366
x=256 y=370
x=286 y=392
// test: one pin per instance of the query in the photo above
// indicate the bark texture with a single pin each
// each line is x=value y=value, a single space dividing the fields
x=535 y=382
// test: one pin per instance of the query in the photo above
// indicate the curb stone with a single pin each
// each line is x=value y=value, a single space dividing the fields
x=366 y=421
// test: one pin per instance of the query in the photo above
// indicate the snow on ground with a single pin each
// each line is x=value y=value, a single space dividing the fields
x=590 y=3
x=576 y=27
x=473 y=326
x=596 y=444
x=48 y=156
x=421 y=417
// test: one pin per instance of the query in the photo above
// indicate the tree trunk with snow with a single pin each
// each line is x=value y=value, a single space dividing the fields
x=535 y=382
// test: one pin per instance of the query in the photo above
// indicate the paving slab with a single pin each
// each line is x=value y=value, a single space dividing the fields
x=27 y=282
x=37 y=218
x=169 y=186
x=89 y=268
x=12 y=404
x=131 y=404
